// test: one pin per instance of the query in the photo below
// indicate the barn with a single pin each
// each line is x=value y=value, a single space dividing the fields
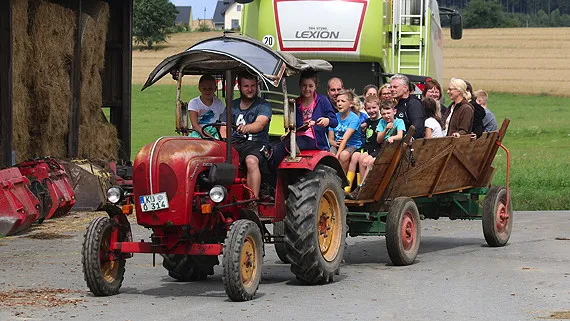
x=65 y=79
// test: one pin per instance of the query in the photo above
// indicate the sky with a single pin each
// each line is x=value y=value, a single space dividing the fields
x=198 y=7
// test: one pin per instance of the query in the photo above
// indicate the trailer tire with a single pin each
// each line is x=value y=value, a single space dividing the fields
x=403 y=231
x=315 y=226
x=242 y=260
x=497 y=219
x=186 y=268
x=103 y=278
x=280 y=248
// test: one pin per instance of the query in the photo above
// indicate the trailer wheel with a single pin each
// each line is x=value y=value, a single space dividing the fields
x=242 y=260
x=103 y=275
x=497 y=218
x=280 y=248
x=403 y=231
x=188 y=268
x=315 y=226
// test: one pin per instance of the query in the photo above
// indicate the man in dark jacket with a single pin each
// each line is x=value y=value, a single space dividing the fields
x=409 y=108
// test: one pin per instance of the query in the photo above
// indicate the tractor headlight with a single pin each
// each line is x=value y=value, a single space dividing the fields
x=115 y=194
x=218 y=193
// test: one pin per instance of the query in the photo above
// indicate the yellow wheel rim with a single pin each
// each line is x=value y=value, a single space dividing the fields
x=248 y=261
x=329 y=225
x=109 y=269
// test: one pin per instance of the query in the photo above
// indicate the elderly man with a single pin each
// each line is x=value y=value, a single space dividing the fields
x=409 y=108
x=333 y=87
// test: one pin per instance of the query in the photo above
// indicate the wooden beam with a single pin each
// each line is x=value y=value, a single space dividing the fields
x=74 y=116
x=6 y=83
x=124 y=131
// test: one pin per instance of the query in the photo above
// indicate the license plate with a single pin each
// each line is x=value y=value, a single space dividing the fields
x=153 y=202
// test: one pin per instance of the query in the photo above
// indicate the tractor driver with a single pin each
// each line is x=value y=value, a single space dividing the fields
x=251 y=114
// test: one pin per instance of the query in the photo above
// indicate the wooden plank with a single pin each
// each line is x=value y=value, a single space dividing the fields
x=465 y=162
x=440 y=172
x=491 y=156
x=125 y=127
x=6 y=111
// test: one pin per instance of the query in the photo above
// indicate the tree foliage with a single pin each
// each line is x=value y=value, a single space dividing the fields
x=511 y=13
x=151 y=21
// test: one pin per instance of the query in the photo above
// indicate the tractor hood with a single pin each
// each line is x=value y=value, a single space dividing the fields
x=236 y=53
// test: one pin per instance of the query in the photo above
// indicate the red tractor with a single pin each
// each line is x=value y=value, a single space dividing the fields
x=192 y=194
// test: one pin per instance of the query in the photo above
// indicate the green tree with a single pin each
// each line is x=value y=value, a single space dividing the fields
x=483 y=14
x=151 y=20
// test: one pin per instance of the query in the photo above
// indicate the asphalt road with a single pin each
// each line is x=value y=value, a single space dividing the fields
x=456 y=277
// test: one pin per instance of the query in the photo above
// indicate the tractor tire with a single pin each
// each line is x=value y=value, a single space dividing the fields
x=315 y=226
x=497 y=219
x=189 y=268
x=280 y=248
x=103 y=278
x=403 y=231
x=242 y=260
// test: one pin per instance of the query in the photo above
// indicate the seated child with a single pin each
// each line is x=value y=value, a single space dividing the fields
x=389 y=129
x=433 y=124
x=314 y=111
x=345 y=139
x=205 y=109
x=370 y=147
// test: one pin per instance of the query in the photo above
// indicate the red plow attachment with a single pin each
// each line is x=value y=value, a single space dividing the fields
x=51 y=185
x=18 y=206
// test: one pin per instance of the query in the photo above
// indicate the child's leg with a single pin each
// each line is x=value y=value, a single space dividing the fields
x=368 y=165
x=351 y=170
x=362 y=167
x=344 y=160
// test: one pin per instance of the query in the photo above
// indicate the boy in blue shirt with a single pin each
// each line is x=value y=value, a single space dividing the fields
x=345 y=138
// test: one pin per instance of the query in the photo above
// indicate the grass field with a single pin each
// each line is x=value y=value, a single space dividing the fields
x=509 y=63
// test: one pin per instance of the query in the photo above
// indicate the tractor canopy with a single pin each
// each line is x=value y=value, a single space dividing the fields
x=235 y=53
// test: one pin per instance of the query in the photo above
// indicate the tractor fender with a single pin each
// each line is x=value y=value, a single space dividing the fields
x=116 y=214
x=289 y=171
x=309 y=159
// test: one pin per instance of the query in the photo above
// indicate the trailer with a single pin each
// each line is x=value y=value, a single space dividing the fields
x=428 y=179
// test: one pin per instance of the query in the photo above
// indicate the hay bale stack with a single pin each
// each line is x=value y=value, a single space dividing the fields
x=92 y=124
x=21 y=81
x=52 y=35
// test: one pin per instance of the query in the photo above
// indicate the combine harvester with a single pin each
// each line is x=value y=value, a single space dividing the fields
x=364 y=40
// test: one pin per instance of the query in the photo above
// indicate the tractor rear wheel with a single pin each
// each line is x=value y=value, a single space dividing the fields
x=403 y=231
x=280 y=248
x=242 y=260
x=188 y=268
x=103 y=273
x=497 y=218
x=315 y=226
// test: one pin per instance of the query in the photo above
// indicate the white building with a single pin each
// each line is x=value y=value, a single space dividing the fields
x=232 y=16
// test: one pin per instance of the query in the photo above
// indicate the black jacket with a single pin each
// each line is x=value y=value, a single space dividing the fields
x=478 y=115
x=411 y=111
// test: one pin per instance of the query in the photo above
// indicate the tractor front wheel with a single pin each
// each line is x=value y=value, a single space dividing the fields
x=497 y=217
x=315 y=226
x=242 y=260
x=103 y=269
x=403 y=231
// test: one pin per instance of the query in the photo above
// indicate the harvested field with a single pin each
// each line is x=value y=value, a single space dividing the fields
x=144 y=61
x=521 y=61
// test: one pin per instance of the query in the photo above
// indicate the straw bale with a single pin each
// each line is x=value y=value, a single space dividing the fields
x=105 y=145
x=52 y=35
x=21 y=80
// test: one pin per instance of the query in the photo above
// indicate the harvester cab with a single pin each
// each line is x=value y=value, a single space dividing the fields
x=193 y=196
